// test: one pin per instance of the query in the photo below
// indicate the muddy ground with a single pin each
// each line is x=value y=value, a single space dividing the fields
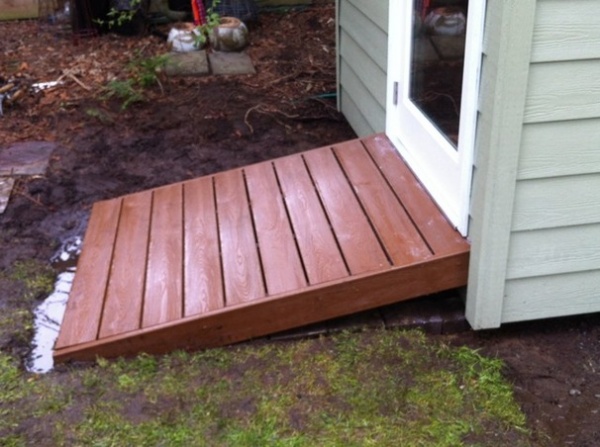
x=188 y=127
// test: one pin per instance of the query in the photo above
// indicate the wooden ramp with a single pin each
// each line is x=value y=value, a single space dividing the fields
x=257 y=250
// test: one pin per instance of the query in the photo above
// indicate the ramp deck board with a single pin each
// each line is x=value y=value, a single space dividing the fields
x=258 y=250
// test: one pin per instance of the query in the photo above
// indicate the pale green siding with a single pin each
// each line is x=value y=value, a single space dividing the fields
x=554 y=256
x=362 y=63
x=551 y=247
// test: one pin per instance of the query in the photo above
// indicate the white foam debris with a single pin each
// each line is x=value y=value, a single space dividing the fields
x=48 y=318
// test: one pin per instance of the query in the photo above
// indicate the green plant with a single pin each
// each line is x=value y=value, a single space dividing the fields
x=213 y=19
x=119 y=17
x=143 y=73
x=146 y=71
x=123 y=90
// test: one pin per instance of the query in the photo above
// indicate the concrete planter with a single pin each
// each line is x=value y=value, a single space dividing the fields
x=230 y=35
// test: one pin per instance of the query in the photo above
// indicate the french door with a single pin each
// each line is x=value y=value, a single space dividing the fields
x=433 y=83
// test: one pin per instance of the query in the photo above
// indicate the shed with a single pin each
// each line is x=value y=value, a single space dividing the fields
x=531 y=207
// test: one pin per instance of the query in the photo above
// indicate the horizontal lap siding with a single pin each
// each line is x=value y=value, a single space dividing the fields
x=545 y=296
x=554 y=256
x=362 y=63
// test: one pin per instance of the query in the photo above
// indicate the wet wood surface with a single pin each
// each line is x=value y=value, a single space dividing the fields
x=256 y=250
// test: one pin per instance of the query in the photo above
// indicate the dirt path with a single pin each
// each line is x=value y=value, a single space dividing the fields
x=190 y=127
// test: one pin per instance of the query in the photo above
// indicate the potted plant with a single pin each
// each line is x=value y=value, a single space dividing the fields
x=223 y=33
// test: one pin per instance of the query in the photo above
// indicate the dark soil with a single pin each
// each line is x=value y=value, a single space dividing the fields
x=191 y=127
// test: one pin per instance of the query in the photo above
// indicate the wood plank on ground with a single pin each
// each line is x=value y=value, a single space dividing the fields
x=203 y=291
x=125 y=292
x=320 y=253
x=271 y=315
x=282 y=268
x=352 y=229
x=241 y=264
x=163 y=300
x=327 y=194
x=432 y=224
x=398 y=233
x=84 y=309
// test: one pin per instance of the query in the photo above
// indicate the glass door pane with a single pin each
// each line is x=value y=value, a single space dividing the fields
x=437 y=62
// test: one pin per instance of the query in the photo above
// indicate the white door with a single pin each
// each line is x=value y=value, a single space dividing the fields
x=433 y=73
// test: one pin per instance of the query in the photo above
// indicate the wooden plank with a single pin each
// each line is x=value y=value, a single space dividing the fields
x=552 y=296
x=430 y=221
x=566 y=31
x=19 y=9
x=560 y=148
x=274 y=314
x=322 y=259
x=241 y=265
x=401 y=239
x=203 y=276
x=563 y=91
x=82 y=317
x=124 y=297
x=164 y=290
x=282 y=268
x=554 y=251
x=557 y=202
x=358 y=242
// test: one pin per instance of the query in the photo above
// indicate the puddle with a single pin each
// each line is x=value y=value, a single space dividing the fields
x=48 y=315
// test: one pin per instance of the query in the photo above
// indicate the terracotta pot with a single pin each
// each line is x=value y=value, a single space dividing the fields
x=230 y=35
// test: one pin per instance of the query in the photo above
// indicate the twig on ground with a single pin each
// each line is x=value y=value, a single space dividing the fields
x=77 y=81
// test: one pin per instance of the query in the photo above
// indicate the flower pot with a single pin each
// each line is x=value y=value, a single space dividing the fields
x=230 y=35
x=446 y=21
x=182 y=38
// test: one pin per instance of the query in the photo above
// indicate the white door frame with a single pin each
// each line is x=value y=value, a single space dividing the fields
x=446 y=171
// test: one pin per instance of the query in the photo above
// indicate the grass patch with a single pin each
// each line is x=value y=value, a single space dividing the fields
x=379 y=388
x=28 y=281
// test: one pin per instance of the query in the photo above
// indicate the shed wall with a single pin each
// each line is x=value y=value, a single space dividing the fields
x=362 y=63
x=553 y=266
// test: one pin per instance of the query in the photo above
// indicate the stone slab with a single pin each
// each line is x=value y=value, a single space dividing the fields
x=192 y=63
x=234 y=63
x=26 y=158
x=449 y=47
x=6 y=186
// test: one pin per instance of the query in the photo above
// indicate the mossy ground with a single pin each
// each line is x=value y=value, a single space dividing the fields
x=376 y=387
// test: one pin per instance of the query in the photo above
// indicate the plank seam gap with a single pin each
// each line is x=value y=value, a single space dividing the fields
x=290 y=223
x=386 y=180
x=362 y=207
x=254 y=232
x=110 y=269
x=326 y=214
x=221 y=266
x=183 y=252
x=145 y=281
